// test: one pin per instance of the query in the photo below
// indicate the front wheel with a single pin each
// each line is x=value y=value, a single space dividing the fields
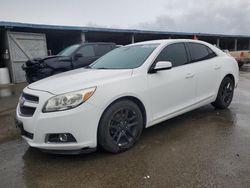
x=225 y=94
x=120 y=126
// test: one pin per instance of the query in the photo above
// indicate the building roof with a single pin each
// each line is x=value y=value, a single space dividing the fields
x=98 y=29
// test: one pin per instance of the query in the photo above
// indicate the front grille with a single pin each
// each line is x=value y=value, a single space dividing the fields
x=25 y=108
x=30 y=98
x=27 y=111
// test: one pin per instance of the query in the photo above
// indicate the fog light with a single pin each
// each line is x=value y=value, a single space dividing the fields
x=60 y=138
x=63 y=137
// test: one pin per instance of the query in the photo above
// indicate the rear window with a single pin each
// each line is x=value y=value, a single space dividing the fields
x=200 y=52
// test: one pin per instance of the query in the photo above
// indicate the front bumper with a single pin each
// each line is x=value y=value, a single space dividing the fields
x=81 y=122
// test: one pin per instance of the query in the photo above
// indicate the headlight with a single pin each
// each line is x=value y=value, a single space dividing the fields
x=68 y=101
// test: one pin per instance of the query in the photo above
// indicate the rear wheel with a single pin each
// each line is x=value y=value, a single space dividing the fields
x=225 y=94
x=120 y=126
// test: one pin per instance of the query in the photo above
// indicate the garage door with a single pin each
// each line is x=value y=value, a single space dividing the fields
x=22 y=47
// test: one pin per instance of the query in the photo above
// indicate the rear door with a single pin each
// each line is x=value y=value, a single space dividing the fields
x=173 y=90
x=207 y=70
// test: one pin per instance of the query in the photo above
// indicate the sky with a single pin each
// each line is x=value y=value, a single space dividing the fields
x=202 y=16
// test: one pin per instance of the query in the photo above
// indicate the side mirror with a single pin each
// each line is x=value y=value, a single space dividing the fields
x=77 y=56
x=161 y=65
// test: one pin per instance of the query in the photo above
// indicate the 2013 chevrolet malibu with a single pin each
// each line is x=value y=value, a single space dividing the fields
x=110 y=102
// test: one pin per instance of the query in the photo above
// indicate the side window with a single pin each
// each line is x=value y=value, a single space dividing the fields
x=211 y=53
x=102 y=49
x=200 y=52
x=87 y=51
x=175 y=53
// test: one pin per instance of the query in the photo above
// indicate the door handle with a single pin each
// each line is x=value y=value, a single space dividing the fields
x=217 y=67
x=189 y=75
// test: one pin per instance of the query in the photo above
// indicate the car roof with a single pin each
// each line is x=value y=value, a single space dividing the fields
x=166 y=41
x=91 y=43
x=169 y=41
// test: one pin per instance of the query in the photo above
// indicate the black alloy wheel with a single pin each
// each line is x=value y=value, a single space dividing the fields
x=120 y=126
x=123 y=126
x=225 y=94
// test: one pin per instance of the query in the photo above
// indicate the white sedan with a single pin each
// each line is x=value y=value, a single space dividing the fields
x=110 y=102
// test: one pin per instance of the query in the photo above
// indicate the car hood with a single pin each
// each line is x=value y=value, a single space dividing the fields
x=47 y=59
x=79 y=79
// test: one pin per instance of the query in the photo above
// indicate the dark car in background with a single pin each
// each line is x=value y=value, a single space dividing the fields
x=72 y=57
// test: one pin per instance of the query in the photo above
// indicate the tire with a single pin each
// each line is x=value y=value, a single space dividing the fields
x=225 y=93
x=120 y=126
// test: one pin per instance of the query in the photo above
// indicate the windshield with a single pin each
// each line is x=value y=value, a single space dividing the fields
x=127 y=57
x=69 y=50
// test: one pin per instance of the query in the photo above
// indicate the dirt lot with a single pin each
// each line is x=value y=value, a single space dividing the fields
x=203 y=148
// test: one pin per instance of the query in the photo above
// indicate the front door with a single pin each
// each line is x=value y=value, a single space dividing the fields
x=173 y=90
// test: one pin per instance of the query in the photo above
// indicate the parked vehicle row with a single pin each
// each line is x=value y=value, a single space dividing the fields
x=73 y=57
x=242 y=57
x=110 y=102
